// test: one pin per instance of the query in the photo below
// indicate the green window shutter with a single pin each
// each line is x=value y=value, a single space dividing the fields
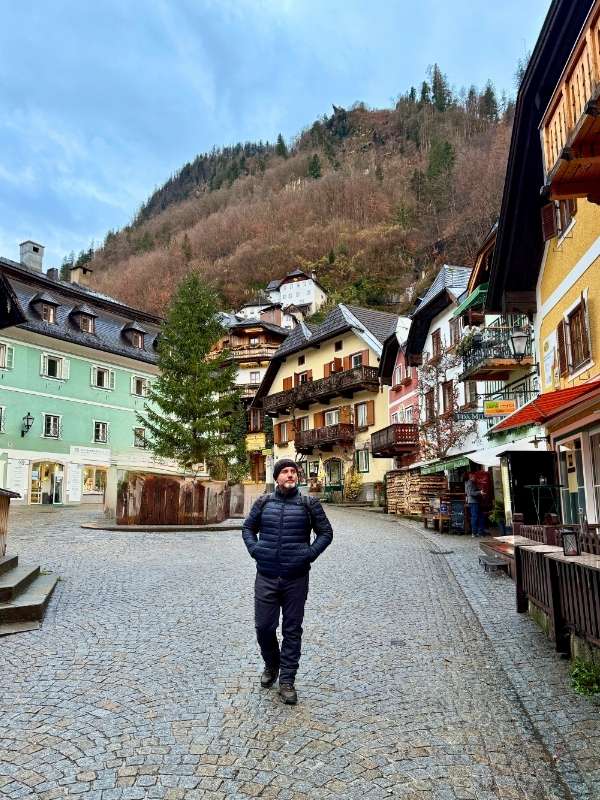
x=66 y=368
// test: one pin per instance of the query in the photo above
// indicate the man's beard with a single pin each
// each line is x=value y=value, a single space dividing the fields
x=288 y=487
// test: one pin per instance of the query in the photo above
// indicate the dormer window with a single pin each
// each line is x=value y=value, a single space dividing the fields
x=134 y=334
x=48 y=313
x=87 y=324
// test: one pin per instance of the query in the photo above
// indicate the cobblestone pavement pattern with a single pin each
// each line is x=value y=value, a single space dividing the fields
x=417 y=681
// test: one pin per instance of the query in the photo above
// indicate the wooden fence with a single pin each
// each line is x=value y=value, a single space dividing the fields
x=144 y=499
x=565 y=588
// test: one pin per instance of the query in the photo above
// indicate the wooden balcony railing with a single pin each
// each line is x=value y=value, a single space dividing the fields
x=324 y=438
x=261 y=353
x=571 y=124
x=396 y=439
x=340 y=384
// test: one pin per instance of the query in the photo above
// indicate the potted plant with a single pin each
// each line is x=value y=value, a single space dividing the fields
x=497 y=516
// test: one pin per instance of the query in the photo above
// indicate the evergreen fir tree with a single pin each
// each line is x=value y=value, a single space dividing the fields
x=193 y=413
x=314 y=167
x=488 y=105
x=280 y=147
x=425 y=94
x=440 y=92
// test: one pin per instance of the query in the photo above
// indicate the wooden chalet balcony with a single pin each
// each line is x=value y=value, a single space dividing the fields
x=260 y=353
x=570 y=128
x=395 y=440
x=340 y=384
x=489 y=355
x=247 y=389
x=324 y=438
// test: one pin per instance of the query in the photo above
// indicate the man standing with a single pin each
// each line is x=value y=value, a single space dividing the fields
x=473 y=496
x=283 y=555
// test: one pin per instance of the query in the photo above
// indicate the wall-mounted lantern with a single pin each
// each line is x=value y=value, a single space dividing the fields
x=28 y=421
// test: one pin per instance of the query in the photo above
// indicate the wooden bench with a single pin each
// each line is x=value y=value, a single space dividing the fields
x=439 y=521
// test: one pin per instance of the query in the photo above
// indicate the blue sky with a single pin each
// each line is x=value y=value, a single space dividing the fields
x=102 y=101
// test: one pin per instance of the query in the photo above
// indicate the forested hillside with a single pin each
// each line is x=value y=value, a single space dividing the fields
x=369 y=199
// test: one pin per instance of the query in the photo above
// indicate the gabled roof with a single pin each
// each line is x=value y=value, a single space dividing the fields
x=258 y=323
x=84 y=308
x=449 y=279
x=272 y=285
x=546 y=406
x=372 y=326
x=449 y=284
x=44 y=297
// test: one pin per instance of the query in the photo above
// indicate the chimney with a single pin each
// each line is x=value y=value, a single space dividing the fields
x=80 y=275
x=53 y=274
x=32 y=255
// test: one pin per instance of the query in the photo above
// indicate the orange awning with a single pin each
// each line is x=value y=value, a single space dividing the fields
x=546 y=406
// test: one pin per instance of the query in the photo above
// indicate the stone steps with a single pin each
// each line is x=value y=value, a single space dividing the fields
x=24 y=595
x=15 y=580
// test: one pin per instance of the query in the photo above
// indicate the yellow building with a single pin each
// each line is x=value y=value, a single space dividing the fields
x=565 y=276
x=322 y=390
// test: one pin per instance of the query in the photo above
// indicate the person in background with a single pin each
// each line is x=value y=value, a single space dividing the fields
x=474 y=495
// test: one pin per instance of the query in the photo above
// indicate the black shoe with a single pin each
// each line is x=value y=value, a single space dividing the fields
x=288 y=694
x=269 y=677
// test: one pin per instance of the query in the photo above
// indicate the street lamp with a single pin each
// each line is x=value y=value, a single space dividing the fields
x=28 y=421
x=519 y=339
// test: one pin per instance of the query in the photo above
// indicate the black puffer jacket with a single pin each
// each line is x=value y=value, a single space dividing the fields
x=277 y=534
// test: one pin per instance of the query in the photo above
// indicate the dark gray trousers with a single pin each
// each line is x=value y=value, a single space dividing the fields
x=270 y=596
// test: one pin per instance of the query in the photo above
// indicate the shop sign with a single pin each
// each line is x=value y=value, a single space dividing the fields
x=267 y=452
x=499 y=408
x=469 y=415
x=255 y=441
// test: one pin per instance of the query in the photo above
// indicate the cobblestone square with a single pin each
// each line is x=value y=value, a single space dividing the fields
x=418 y=679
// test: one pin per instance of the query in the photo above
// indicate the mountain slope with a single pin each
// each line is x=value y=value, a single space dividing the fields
x=370 y=200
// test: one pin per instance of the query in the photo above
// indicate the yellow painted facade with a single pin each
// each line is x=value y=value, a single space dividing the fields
x=571 y=268
x=315 y=360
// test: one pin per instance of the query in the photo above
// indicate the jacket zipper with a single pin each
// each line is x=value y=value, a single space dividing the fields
x=279 y=536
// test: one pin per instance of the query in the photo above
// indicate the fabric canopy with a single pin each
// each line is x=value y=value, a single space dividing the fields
x=445 y=464
x=490 y=457
x=476 y=298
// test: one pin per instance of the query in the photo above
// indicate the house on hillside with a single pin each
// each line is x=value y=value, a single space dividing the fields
x=322 y=391
x=75 y=367
x=547 y=256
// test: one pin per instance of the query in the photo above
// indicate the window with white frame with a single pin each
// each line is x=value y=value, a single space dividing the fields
x=51 y=426
x=54 y=366
x=139 y=386
x=398 y=376
x=303 y=423
x=361 y=415
x=87 y=324
x=362 y=460
x=356 y=360
x=48 y=313
x=395 y=418
x=7 y=356
x=139 y=437
x=137 y=339
x=332 y=417
x=103 y=378
x=255 y=377
x=283 y=432
x=100 y=432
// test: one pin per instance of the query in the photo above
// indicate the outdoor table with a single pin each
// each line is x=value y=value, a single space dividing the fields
x=541 y=490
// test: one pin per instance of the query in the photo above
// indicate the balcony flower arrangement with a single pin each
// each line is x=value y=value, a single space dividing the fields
x=352 y=485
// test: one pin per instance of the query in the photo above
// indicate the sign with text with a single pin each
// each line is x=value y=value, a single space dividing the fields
x=468 y=415
x=499 y=408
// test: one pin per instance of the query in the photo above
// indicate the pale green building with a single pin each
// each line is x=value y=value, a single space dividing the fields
x=75 y=366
